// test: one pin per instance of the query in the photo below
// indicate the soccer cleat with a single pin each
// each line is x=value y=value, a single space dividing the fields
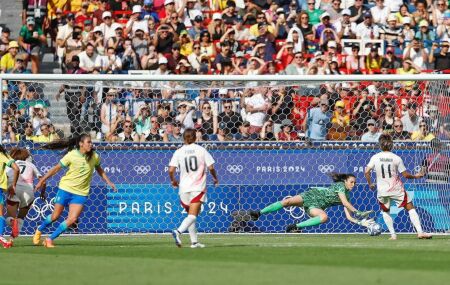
x=5 y=243
x=37 y=237
x=197 y=245
x=424 y=236
x=293 y=229
x=255 y=215
x=48 y=243
x=393 y=237
x=14 y=228
x=177 y=237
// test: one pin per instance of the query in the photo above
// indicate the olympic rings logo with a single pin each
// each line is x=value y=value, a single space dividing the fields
x=39 y=210
x=326 y=168
x=293 y=211
x=45 y=169
x=235 y=168
x=142 y=169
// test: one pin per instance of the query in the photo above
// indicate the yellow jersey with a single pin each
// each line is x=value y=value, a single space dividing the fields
x=7 y=62
x=44 y=139
x=5 y=160
x=78 y=177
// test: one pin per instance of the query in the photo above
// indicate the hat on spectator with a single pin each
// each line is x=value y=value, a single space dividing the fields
x=406 y=20
x=185 y=103
x=116 y=26
x=423 y=23
x=88 y=22
x=20 y=57
x=30 y=21
x=392 y=17
x=252 y=38
x=317 y=54
x=58 y=11
x=324 y=102
x=98 y=29
x=167 y=2
x=31 y=88
x=339 y=104
x=198 y=19
x=367 y=15
x=280 y=10
x=374 y=48
x=183 y=32
x=106 y=14
x=332 y=44
x=112 y=92
x=223 y=91
x=162 y=60
x=13 y=44
x=176 y=46
x=70 y=16
x=38 y=106
x=177 y=124
x=346 y=12
x=445 y=43
x=137 y=9
x=286 y=122
x=371 y=122
x=148 y=2
x=325 y=14
x=6 y=30
x=85 y=4
x=239 y=54
x=217 y=16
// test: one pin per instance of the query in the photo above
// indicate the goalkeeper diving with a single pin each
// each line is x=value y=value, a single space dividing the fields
x=317 y=199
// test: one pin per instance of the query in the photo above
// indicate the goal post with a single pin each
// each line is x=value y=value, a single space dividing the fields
x=256 y=165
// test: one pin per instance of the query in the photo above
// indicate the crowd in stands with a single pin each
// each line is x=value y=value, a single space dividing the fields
x=241 y=37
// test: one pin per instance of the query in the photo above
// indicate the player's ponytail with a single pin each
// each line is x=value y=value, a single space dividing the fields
x=70 y=144
x=340 y=177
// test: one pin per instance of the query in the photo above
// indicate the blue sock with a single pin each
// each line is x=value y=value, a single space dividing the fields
x=48 y=221
x=61 y=228
x=2 y=225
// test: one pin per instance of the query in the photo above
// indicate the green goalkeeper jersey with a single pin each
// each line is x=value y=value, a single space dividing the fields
x=324 y=197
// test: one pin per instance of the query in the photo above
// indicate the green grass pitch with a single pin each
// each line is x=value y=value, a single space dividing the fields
x=230 y=259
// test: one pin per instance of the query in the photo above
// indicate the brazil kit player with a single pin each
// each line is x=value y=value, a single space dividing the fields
x=192 y=161
x=80 y=162
x=19 y=204
x=6 y=160
x=316 y=199
x=387 y=166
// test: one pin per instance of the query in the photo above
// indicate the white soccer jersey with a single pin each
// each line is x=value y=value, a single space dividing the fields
x=192 y=161
x=28 y=172
x=387 y=166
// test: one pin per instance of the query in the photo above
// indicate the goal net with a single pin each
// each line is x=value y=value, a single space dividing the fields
x=271 y=138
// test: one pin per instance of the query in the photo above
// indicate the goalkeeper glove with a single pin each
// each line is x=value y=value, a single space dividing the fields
x=362 y=214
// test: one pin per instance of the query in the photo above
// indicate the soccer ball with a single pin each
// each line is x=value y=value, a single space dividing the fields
x=374 y=229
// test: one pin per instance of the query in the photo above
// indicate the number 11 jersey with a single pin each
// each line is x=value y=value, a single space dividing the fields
x=192 y=161
x=387 y=166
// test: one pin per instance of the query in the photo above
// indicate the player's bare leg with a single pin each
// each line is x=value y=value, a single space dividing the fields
x=295 y=201
x=48 y=221
x=11 y=220
x=415 y=220
x=74 y=212
x=318 y=216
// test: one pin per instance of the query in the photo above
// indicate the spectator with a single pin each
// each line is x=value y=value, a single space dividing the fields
x=46 y=135
x=8 y=134
x=207 y=119
x=108 y=63
x=260 y=19
x=388 y=119
x=407 y=34
x=380 y=12
x=421 y=12
x=8 y=60
x=391 y=32
x=175 y=135
x=399 y=133
x=39 y=117
x=244 y=134
x=229 y=119
x=36 y=9
x=411 y=120
x=366 y=30
x=31 y=38
x=129 y=57
x=417 y=53
x=153 y=134
x=108 y=113
x=345 y=28
x=325 y=25
x=440 y=60
x=136 y=23
x=255 y=66
x=287 y=133
x=372 y=135
x=164 y=39
x=267 y=132
x=358 y=10
x=256 y=107
x=73 y=44
x=297 y=67
x=28 y=134
x=282 y=105
x=434 y=119
x=408 y=67
x=318 y=121
x=107 y=27
x=224 y=55
x=443 y=28
x=164 y=115
x=373 y=61
x=390 y=61
x=174 y=24
x=313 y=13
x=128 y=135
x=197 y=28
x=334 y=11
x=423 y=134
x=4 y=40
x=185 y=114
x=143 y=123
x=87 y=58
x=340 y=123
x=222 y=134
x=364 y=109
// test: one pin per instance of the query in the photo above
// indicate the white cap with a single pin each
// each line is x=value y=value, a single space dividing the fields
x=167 y=2
x=162 y=60
x=406 y=20
x=280 y=10
x=137 y=9
x=223 y=91
x=239 y=54
x=391 y=17
x=346 y=12
x=217 y=16
x=332 y=44
x=325 y=14
x=106 y=14
x=116 y=26
x=98 y=29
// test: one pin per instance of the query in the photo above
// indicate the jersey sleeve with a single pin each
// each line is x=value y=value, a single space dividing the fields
x=401 y=165
x=209 y=160
x=65 y=161
x=97 y=160
x=22 y=32
x=339 y=188
x=174 y=160
x=371 y=163
x=6 y=159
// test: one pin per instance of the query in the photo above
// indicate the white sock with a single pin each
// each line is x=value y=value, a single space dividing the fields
x=193 y=232
x=389 y=222
x=20 y=222
x=8 y=221
x=186 y=223
x=414 y=217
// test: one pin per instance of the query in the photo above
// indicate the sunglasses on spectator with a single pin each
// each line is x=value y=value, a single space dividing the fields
x=423 y=126
x=388 y=109
x=196 y=47
x=206 y=108
x=129 y=126
x=298 y=57
x=227 y=106
x=398 y=126
x=370 y=125
x=311 y=3
x=107 y=18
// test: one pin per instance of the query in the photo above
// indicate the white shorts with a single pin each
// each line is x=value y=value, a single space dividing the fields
x=191 y=197
x=24 y=197
x=400 y=200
